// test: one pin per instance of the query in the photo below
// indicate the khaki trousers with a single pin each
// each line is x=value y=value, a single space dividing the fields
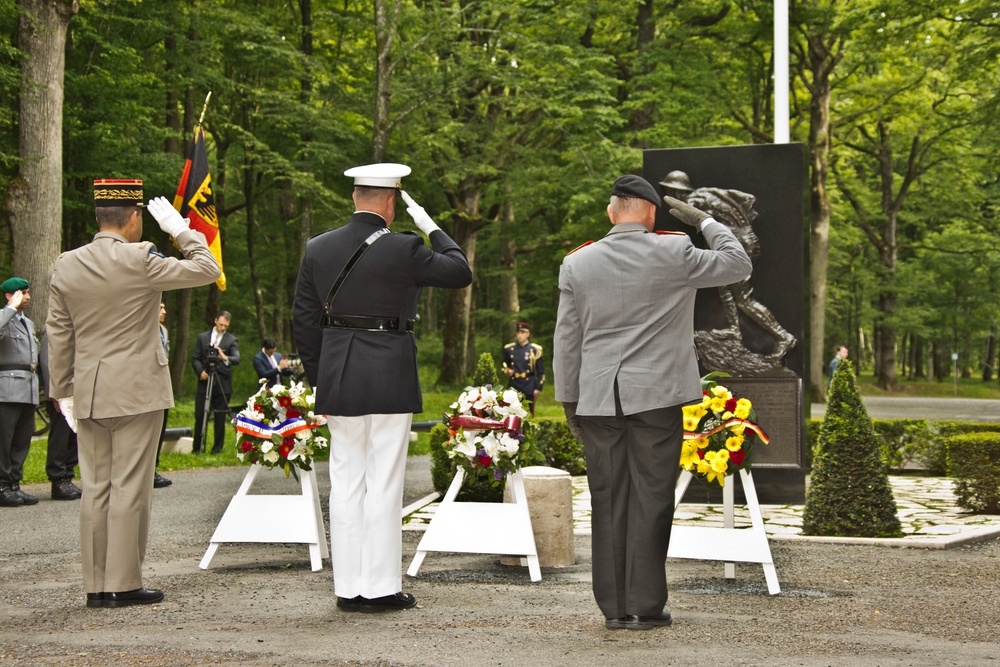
x=117 y=459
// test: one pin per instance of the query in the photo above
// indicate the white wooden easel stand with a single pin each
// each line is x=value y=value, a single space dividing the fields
x=294 y=519
x=748 y=545
x=481 y=528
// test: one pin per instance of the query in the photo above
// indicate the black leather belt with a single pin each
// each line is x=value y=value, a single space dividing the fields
x=18 y=367
x=366 y=323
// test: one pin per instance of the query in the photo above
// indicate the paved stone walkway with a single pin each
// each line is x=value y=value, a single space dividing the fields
x=926 y=507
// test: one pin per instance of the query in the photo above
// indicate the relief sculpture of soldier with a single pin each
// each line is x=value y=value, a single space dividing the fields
x=725 y=348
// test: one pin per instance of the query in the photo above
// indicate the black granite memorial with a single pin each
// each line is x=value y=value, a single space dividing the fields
x=756 y=329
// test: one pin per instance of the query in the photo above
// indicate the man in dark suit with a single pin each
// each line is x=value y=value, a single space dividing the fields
x=61 y=457
x=215 y=353
x=269 y=364
x=356 y=342
x=628 y=300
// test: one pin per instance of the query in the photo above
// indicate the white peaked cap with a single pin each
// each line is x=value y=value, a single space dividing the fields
x=381 y=175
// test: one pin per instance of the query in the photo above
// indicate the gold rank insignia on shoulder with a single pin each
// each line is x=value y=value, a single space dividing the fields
x=664 y=231
x=582 y=245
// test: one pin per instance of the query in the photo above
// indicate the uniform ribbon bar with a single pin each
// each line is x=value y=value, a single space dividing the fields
x=732 y=422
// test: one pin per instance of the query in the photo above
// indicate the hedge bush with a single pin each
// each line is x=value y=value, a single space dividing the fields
x=559 y=447
x=849 y=493
x=974 y=462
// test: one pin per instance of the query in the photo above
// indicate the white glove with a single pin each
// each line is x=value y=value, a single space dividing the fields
x=419 y=215
x=167 y=216
x=66 y=408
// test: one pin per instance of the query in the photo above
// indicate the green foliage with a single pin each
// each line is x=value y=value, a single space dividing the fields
x=486 y=372
x=559 y=448
x=974 y=462
x=903 y=441
x=849 y=492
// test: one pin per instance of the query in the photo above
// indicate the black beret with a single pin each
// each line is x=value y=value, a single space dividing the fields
x=635 y=187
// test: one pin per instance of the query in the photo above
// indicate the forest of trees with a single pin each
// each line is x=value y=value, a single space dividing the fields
x=516 y=115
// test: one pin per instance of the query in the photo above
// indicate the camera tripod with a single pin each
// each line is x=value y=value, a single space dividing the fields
x=209 y=389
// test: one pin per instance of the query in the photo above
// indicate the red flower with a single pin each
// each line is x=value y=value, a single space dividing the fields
x=701 y=453
x=484 y=460
x=737 y=457
x=246 y=445
x=284 y=401
x=731 y=405
x=292 y=413
x=285 y=448
x=258 y=407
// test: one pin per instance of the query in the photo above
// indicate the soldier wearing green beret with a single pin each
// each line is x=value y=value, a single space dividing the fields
x=18 y=390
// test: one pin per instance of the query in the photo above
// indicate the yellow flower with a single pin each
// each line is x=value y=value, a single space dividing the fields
x=743 y=408
x=689 y=455
x=734 y=443
x=700 y=443
x=718 y=391
x=706 y=400
x=691 y=423
x=727 y=415
x=737 y=429
x=718 y=403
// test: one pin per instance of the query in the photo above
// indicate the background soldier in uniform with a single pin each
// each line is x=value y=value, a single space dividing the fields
x=110 y=376
x=18 y=391
x=523 y=365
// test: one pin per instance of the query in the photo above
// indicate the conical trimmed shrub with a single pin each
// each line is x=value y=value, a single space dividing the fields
x=849 y=492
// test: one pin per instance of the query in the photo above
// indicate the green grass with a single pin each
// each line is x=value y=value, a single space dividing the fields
x=967 y=388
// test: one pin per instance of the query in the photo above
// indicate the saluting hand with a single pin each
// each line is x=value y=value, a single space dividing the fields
x=15 y=299
x=684 y=212
x=419 y=215
x=166 y=216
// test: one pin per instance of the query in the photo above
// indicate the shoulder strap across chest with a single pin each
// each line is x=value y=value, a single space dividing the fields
x=346 y=271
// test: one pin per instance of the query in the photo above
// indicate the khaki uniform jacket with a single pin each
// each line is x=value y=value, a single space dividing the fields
x=626 y=312
x=103 y=324
x=17 y=346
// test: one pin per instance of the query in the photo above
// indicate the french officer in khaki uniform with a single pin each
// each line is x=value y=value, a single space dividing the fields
x=108 y=372
x=625 y=363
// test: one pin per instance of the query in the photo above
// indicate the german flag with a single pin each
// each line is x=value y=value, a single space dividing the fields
x=194 y=199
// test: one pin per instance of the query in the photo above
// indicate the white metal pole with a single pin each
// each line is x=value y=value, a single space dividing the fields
x=782 y=127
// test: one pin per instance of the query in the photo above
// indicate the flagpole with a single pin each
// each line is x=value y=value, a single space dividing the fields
x=204 y=108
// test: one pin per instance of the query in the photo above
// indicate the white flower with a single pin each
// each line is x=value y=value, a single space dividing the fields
x=465 y=443
x=311 y=399
x=272 y=456
x=319 y=442
x=509 y=445
x=491 y=444
x=266 y=446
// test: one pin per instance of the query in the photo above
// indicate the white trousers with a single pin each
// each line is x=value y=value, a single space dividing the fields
x=367 y=467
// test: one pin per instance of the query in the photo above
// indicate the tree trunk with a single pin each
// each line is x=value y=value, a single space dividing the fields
x=510 y=303
x=386 y=24
x=454 y=363
x=32 y=204
x=179 y=344
x=991 y=354
x=251 y=221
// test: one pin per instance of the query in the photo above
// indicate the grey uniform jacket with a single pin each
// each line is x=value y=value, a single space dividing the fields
x=369 y=372
x=626 y=311
x=103 y=324
x=17 y=347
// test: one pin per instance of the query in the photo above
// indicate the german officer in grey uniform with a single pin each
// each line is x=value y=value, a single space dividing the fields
x=18 y=390
x=109 y=374
x=625 y=363
x=355 y=305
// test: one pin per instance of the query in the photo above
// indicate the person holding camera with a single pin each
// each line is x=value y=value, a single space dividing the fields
x=269 y=363
x=215 y=353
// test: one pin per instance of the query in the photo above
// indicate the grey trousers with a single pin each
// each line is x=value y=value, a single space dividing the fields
x=632 y=468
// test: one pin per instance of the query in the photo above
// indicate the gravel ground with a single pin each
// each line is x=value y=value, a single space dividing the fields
x=260 y=604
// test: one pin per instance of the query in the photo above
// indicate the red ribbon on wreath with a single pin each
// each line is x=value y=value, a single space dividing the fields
x=510 y=423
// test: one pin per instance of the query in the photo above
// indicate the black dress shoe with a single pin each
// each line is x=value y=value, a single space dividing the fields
x=26 y=498
x=159 y=481
x=634 y=622
x=387 y=602
x=95 y=600
x=349 y=604
x=65 y=490
x=9 y=497
x=138 y=596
